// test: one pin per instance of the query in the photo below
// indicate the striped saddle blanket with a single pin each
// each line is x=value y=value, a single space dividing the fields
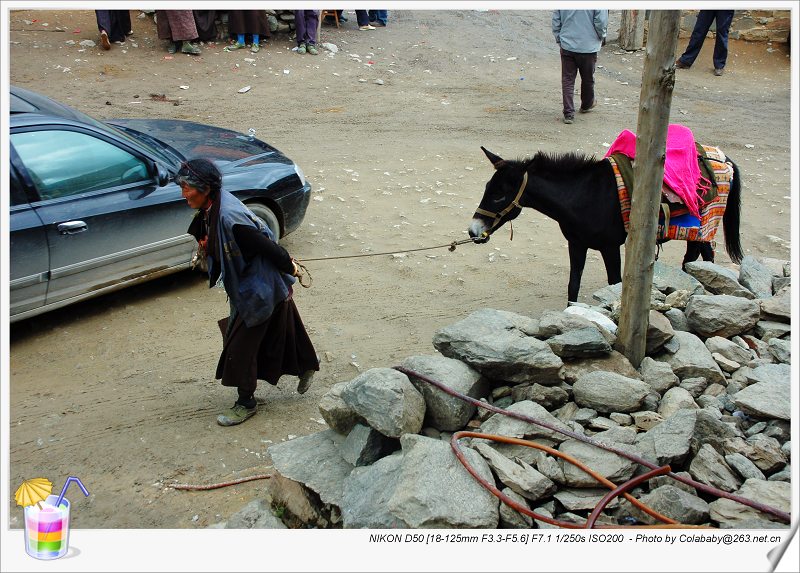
x=674 y=220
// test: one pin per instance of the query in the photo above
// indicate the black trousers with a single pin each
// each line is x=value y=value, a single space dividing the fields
x=573 y=63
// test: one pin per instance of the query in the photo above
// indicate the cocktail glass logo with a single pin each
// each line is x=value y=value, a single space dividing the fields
x=46 y=517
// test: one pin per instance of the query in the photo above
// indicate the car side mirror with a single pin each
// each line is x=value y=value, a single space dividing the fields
x=162 y=175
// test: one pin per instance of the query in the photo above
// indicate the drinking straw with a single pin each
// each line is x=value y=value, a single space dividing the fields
x=70 y=480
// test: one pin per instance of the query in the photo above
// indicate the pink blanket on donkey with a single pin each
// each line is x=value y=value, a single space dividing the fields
x=681 y=171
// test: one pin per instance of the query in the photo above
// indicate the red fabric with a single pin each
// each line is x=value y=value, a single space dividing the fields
x=681 y=171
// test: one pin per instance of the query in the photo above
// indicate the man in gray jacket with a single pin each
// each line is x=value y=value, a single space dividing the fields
x=580 y=34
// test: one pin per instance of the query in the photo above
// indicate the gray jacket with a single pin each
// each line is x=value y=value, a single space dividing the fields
x=580 y=31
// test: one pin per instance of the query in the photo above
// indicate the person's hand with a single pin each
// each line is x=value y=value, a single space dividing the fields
x=295 y=269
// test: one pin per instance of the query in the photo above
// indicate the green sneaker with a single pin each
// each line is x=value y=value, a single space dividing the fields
x=234 y=46
x=190 y=49
x=255 y=48
x=172 y=48
x=312 y=49
x=301 y=49
x=235 y=415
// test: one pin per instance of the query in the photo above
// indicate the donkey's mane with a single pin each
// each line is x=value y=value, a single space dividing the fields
x=569 y=162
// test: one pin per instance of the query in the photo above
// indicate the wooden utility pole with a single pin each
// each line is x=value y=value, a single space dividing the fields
x=631 y=30
x=658 y=81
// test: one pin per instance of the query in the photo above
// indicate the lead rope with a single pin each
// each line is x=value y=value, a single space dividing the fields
x=303 y=270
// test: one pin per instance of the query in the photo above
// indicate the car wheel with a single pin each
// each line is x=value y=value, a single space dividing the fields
x=265 y=214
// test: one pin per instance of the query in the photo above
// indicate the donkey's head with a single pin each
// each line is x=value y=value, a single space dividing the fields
x=500 y=202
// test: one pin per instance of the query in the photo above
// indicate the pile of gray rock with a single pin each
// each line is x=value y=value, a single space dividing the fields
x=711 y=399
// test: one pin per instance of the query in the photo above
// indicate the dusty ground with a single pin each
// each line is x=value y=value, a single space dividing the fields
x=119 y=391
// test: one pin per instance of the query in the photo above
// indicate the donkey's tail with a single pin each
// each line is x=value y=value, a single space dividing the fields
x=730 y=220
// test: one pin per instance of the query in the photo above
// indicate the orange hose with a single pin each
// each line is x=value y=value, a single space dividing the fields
x=782 y=515
x=522 y=509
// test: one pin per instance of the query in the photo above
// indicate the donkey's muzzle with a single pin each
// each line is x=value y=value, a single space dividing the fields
x=478 y=231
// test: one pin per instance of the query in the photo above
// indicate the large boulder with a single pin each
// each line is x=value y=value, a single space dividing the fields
x=443 y=411
x=722 y=315
x=692 y=360
x=717 y=279
x=501 y=345
x=669 y=500
x=315 y=462
x=610 y=392
x=729 y=350
x=337 y=414
x=756 y=276
x=659 y=332
x=779 y=306
x=608 y=464
x=434 y=490
x=365 y=445
x=387 y=400
x=367 y=491
x=709 y=467
x=668 y=279
x=612 y=362
x=579 y=343
x=767 y=400
x=658 y=375
x=676 y=399
x=503 y=425
x=730 y=513
x=518 y=475
x=670 y=441
x=595 y=316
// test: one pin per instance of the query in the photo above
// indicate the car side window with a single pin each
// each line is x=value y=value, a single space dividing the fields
x=17 y=192
x=63 y=163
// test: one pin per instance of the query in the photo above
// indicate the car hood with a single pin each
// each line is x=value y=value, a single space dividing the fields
x=227 y=148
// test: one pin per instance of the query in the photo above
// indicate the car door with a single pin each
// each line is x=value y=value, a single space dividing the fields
x=107 y=221
x=29 y=255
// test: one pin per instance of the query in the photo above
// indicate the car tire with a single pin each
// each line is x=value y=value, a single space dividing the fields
x=265 y=214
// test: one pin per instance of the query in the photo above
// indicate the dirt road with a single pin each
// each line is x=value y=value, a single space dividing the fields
x=119 y=390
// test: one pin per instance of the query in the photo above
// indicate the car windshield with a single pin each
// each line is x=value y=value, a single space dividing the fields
x=157 y=146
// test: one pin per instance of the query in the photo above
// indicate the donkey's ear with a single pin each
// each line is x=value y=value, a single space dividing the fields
x=496 y=161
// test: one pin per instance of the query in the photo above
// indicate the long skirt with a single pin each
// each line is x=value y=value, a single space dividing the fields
x=116 y=23
x=248 y=22
x=176 y=25
x=206 y=27
x=267 y=351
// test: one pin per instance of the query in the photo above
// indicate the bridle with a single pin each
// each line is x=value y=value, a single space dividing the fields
x=498 y=217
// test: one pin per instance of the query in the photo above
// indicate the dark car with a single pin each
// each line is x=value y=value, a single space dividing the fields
x=94 y=206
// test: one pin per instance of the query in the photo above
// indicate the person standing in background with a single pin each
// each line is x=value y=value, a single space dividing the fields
x=580 y=34
x=362 y=17
x=378 y=17
x=178 y=28
x=701 y=28
x=253 y=22
x=113 y=25
x=306 y=23
x=205 y=22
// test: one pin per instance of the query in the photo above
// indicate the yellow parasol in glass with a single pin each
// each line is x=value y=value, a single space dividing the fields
x=33 y=491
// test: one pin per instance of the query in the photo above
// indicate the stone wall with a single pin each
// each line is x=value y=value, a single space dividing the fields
x=750 y=25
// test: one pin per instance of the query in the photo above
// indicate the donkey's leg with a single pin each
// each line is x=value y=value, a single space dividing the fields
x=707 y=252
x=577 y=260
x=613 y=264
x=693 y=249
